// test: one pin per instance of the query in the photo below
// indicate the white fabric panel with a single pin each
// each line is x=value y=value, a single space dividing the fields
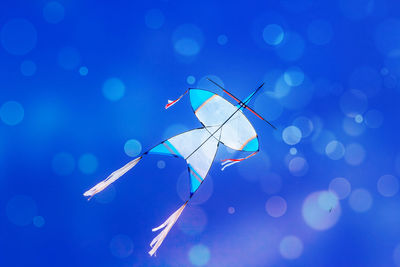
x=236 y=132
x=215 y=111
x=234 y=135
x=202 y=159
x=188 y=142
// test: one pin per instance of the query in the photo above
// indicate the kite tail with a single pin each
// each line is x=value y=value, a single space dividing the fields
x=229 y=162
x=173 y=102
x=157 y=241
x=112 y=178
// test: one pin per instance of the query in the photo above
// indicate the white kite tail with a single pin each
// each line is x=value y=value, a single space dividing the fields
x=112 y=178
x=157 y=241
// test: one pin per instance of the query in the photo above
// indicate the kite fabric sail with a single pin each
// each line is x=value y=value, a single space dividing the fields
x=223 y=123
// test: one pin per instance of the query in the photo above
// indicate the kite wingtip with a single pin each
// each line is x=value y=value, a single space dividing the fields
x=88 y=194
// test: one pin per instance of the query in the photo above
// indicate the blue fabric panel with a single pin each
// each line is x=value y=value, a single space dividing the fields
x=252 y=145
x=173 y=148
x=194 y=183
x=160 y=149
x=198 y=96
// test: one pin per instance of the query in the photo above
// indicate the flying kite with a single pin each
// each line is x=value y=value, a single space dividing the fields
x=223 y=123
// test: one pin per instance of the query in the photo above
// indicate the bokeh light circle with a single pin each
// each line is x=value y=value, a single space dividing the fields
x=190 y=79
x=293 y=76
x=388 y=185
x=53 y=12
x=292 y=48
x=28 y=68
x=276 y=206
x=360 y=200
x=83 y=71
x=222 y=39
x=281 y=88
x=87 y=163
x=298 y=166
x=354 y=154
x=194 y=222
x=121 y=246
x=341 y=187
x=321 y=210
x=12 y=113
x=187 y=40
x=293 y=151
x=38 y=221
x=63 y=164
x=334 y=150
x=21 y=210
x=273 y=34
x=320 y=32
x=320 y=139
x=18 y=36
x=199 y=255
x=291 y=247
x=231 y=210
x=68 y=58
x=327 y=200
x=305 y=125
x=161 y=164
x=353 y=102
x=291 y=135
x=359 y=118
x=187 y=47
x=274 y=84
x=154 y=19
x=113 y=89
x=132 y=147
x=352 y=127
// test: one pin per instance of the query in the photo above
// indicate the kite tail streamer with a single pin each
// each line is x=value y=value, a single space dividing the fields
x=229 y=162
x=112 y=178
x=173 y=102
x=157 y=241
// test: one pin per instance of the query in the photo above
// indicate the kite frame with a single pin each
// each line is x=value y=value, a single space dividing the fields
x=211 y=135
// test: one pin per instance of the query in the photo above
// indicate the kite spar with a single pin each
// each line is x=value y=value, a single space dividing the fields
x=223 y=123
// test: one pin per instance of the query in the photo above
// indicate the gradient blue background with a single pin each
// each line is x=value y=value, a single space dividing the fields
x=347 y=59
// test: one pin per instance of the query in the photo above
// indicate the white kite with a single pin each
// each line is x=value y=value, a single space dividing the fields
x=223 y=123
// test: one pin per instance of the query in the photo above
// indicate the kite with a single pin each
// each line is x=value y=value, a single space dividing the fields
x=222 y=123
